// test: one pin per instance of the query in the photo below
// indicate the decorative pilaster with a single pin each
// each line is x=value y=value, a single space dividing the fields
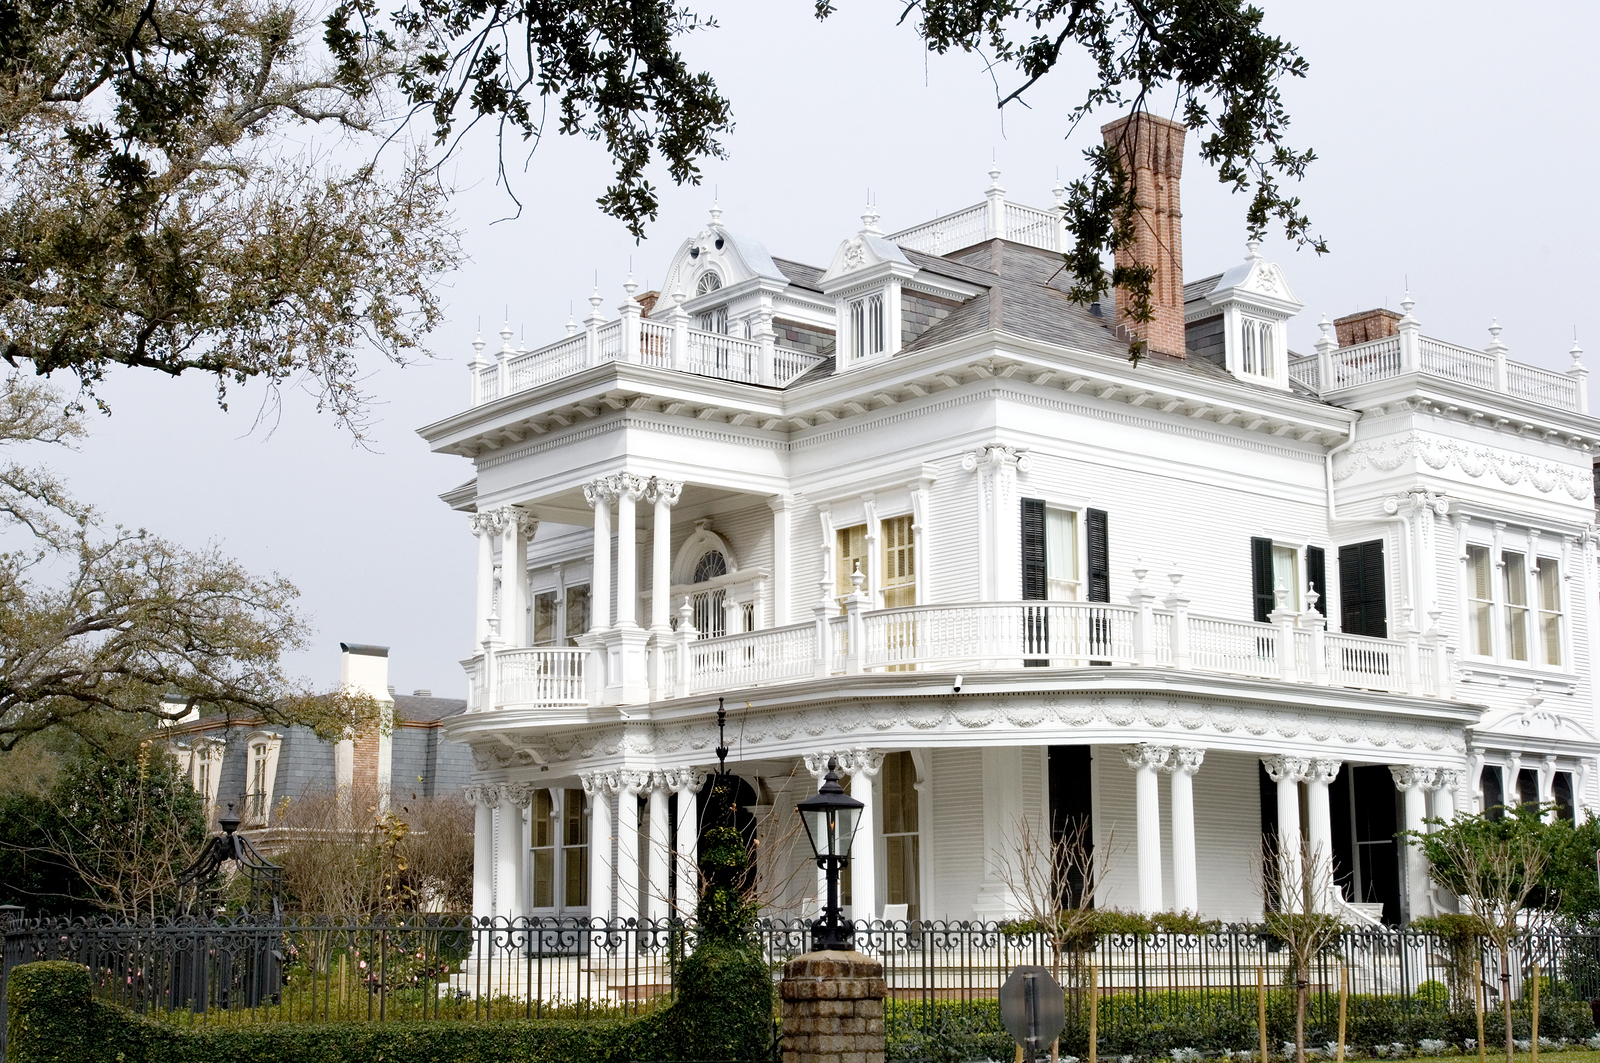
x=999 y=519
x=509 y=883
x=487 y=526
x=1185 y=877
x=1146 y=760
x=1412 y=780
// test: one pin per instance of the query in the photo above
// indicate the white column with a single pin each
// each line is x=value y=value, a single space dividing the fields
x=1446 y=781
x=599 y=493
x=686 y=783
x=599 y=786
x=1185 y=878
x=664 y=494
x=1320 y=830
x=1547 y=784
x=1410 y=780
x=999 y=520
x=660 y=850
x=485 y=526
x=629 y=488
x=509 y=900
x=482 y=798
x=1288 y=772
x=631 y=785
x=517 y=529
x=782 y=562
x=1511 y=784
x=1146 y=760
x=863 y=764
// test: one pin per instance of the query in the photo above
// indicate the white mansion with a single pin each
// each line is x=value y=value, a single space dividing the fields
x=918 y=510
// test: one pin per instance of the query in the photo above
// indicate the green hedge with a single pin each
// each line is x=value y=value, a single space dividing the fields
x=951 y=1031
x=723 y=1011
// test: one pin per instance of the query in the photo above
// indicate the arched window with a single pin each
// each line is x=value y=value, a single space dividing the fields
x=710 y=619
x=1247 y=355
x=709 y=282
x=1267 y=360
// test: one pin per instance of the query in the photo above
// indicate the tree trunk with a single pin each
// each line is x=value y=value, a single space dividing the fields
x=1302 y=987
x=1505 y=998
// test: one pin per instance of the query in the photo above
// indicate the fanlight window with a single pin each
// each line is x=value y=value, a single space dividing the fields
x=709 y=282
x=710 y=620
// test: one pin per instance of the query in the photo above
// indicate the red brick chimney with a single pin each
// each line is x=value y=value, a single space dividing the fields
x=1367 y=325
x=1152 y=153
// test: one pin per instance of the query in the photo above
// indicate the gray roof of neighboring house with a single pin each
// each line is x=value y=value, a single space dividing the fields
x=412 y=709
x=800 y=274
x=1204 y=286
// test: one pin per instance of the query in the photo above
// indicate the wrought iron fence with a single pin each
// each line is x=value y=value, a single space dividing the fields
x=458 y=968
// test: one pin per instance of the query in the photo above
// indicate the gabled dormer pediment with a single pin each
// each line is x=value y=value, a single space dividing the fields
x=864 y=280
x=717 y=260
x=1248 y=309
x=865 y=258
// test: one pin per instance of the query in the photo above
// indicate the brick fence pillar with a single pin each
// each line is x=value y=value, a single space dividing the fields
x=832 y=1008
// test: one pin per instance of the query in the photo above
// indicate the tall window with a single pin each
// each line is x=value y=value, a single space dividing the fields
x=1267 y=361
x=1480 y=601
x=900 y=833
x=258 y=780
x=203 y=781
x=1286 y=575
x=710 y=619
x=715 y=320
x=545 y=618
x=1492 y=793
x=545 y=825
x=1514 y=567
x=1363 y=590
x=852 y=554
x=866 y=325
x=1247 y=330
x=575 y=849
x=899 y=563
x=1550 y=609
x=577 y=609
x=1062 y=583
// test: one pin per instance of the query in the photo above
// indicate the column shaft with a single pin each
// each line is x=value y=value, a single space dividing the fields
x=600 y=835
x=1147 y=820
x=1411 y=781
x=661 y=567
x=627 y=831
x=864 y=850
x=600 y=581
x=482 y=853
x=660 y=849
x=509 y=902
x=1320 y=830
x=485 y=585
x=1185 y=878
x=1292 y=884
x=688 y=844
x=627 y=554
x=513 y=583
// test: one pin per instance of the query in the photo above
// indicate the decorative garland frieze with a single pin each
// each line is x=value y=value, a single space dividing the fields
x=1474 y=460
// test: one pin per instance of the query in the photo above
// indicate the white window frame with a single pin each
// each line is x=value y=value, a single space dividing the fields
x=1533 y=552
x=1079 y=547
x=261 y=760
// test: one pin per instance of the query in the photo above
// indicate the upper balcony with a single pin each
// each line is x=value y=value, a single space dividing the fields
x=1333 y=368
x=559 y=684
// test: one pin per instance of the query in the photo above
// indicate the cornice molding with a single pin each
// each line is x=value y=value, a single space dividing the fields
x=1475 y=460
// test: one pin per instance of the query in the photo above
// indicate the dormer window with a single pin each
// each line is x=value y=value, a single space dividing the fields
x=1257 y=356
x=709 y=282
x=866 y=326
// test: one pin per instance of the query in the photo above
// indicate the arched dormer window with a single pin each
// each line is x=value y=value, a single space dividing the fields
x=1267 y=359
x=1247 y=353
x=709 y=282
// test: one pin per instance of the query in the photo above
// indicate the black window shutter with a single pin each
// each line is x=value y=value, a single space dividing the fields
x=1363 y=593
x=1099 y=574
x=1261 y=578
x=1374 y=591
x=1317 y=575
x=1034 y=588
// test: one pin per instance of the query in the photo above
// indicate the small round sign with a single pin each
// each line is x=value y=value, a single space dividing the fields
x=1033 y=1007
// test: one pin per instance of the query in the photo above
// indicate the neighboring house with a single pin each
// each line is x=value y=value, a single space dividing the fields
x=917 y=510
x=254 y=766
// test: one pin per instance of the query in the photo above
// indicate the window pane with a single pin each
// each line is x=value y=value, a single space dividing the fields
x=899 y=563
x=852 y=551
x=1286 y=575
x=575 y=852
x=1480 y=608
x=544 y=619
x=1061 y=553
x=1550 y=609
x=544 y=878
x=577 y=612
x=1516 y=590
x=544 y=825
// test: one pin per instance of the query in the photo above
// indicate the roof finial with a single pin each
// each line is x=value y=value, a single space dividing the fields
x=1407 y=303
x=1576 y=352
x=716 y=211
x=506 y=333
x=869 y=218
x=1252 y=250
x=994 y=174
x=1496 y=344
x=1326 y=340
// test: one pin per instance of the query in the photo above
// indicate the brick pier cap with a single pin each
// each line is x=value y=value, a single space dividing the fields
x=832 y=1006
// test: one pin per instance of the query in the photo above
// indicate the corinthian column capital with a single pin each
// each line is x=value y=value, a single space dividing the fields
x=491 y=521
x=663 y=491
x=1290 y=769
x=600 y=491
x=1145 y=755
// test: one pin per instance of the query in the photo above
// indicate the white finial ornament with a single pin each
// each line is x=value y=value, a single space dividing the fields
x=1327 y=341
x=1496 y=345
x=1059 y=191
x=630 y=286
x=994 y=177
x=716 y=213
x=1407 y=303
x=1252 y=254
x=505 y=336
x=869 y=221
x=477 y=344
x=1576 y=353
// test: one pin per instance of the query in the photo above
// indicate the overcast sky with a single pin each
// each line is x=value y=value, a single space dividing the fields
x=1457 y=147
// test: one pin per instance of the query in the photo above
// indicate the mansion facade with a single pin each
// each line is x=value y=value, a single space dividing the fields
x=917 y=511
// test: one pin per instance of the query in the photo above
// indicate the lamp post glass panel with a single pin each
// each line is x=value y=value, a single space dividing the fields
x=830 y=817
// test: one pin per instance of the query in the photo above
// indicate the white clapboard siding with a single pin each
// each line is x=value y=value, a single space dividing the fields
x=956 y=873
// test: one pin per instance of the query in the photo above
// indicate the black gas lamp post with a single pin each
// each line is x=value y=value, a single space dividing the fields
x=830 y=817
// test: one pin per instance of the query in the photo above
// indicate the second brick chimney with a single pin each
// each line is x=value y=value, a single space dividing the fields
x=1152 y=153
x=1367 y=325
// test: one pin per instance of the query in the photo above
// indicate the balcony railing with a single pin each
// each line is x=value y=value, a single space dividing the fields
x=1392 y=356
x=636 y=340
x=979 y=636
